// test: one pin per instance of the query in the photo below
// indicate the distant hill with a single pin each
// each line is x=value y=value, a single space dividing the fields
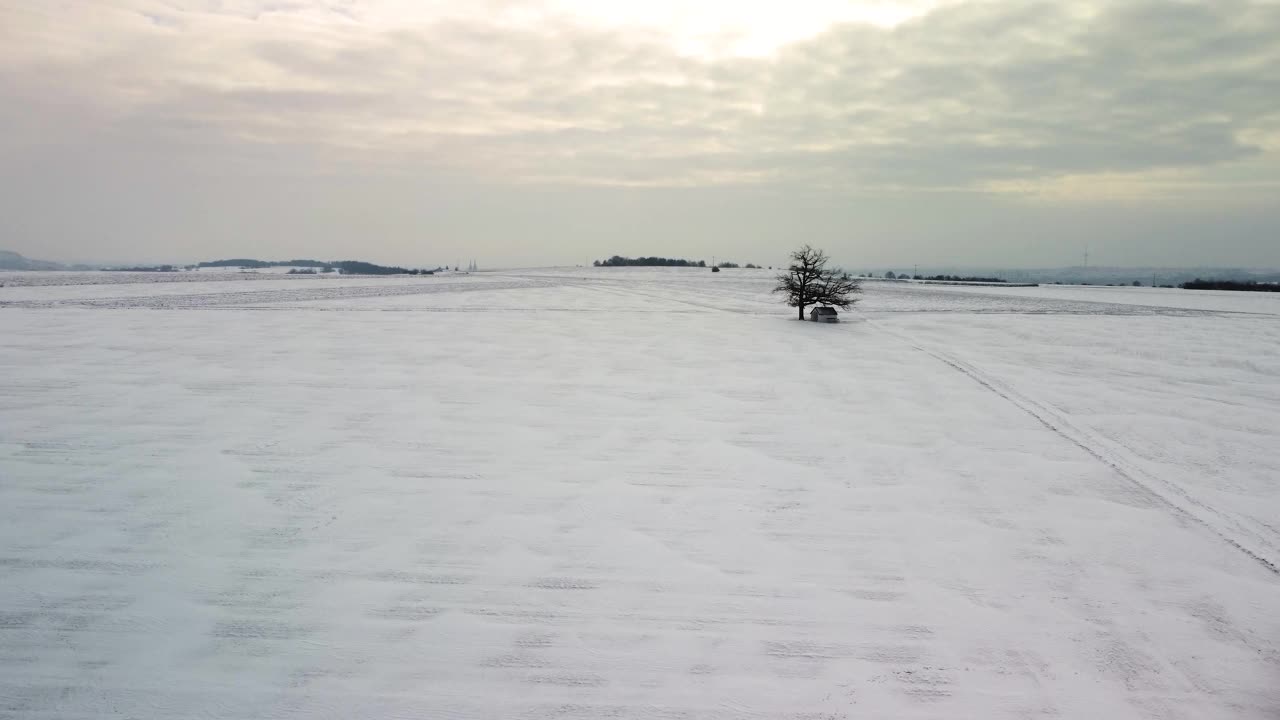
x=1100 y=275
x=14 y=261
x=252 y=263
x=350 y=267
x=1143 y=275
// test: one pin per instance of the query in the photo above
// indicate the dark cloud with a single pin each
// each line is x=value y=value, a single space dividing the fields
x=994 y=91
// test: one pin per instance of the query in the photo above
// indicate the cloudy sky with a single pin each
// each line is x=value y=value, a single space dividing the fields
x=518 y=132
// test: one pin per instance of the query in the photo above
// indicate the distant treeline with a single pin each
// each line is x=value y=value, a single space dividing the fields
x=939 y=278
x=962 y=278
x=356 y=267
x=249 y=263
x=352 y=267
x=1248 y=285
x=619 y=261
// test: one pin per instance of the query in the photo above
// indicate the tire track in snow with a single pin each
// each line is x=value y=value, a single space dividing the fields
x=632 y=292
x=1226 y=526
x=702 y=299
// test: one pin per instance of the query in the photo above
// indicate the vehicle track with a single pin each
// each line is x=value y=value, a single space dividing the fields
x=1234 y=530
x=616 y=289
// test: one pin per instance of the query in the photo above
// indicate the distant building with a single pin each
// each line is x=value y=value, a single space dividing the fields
x=824 y=314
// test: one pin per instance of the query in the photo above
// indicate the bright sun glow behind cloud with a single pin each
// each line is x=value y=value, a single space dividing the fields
x=709 y=28
x=741 y=27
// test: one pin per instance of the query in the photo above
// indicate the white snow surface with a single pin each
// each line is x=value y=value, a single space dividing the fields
x=634 y=493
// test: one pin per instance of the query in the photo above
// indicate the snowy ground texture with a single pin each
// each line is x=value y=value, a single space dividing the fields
x=632 y=493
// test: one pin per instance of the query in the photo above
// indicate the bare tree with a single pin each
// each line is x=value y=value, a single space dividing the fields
x=808 y=281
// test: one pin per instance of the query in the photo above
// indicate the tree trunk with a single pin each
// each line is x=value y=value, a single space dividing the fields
x=801 y=309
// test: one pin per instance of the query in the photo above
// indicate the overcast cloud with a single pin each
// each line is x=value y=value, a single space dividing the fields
x=992 y=132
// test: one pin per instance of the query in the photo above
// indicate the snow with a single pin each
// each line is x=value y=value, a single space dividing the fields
x=635 y=493
x=1214 y=300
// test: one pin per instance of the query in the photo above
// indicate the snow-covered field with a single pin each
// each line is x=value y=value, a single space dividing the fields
x=634 y=493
